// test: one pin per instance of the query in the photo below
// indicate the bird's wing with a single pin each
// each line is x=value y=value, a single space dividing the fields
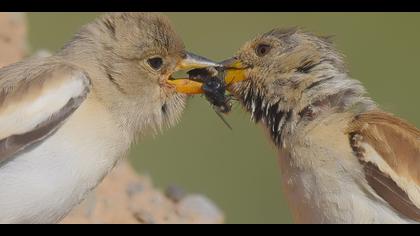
x=31 y=110
x=389 y=150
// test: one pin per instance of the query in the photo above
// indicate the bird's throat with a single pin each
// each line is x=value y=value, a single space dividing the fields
x=272 y=114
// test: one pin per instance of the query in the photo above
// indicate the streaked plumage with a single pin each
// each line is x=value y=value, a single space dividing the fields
x=342 y=159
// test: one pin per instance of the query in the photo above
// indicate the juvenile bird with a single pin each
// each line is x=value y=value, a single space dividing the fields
x=65 y=120
x=342 y=159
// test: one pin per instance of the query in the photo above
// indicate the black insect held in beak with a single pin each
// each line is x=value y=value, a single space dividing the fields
x=214 y=89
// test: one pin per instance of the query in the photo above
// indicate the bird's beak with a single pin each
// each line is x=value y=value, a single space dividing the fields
x=192 y=61
x=188 y=62
x=234 y=70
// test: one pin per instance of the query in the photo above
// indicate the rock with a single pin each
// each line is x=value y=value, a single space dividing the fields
x=125 y=197
x=175 y=193
x=13 y=38
x=199 y=209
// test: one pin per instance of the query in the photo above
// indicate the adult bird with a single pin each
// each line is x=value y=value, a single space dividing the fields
x=66 y=120
x=343 y=159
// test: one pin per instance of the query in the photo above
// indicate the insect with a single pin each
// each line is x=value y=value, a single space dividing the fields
x=214 y=88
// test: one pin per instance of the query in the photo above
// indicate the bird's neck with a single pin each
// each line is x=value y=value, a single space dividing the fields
x=281 y=115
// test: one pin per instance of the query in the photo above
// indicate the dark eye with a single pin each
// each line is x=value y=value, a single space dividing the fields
x=155 y=62
x=262 y=49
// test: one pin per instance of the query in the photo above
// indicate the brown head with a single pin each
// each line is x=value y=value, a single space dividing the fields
x=284 y=76
x=130 y=58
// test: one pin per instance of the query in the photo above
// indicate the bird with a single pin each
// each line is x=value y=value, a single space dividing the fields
x=342 y=158
x=67 y=119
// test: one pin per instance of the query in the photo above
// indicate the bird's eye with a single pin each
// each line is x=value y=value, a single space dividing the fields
x=155 y=62
x=262 y=49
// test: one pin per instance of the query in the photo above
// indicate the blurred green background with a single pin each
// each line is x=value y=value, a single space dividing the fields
x=238 y=169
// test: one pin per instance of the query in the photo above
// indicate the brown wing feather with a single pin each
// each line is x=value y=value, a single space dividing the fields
x=389 y=190
x=398 y=143
x=23 y=136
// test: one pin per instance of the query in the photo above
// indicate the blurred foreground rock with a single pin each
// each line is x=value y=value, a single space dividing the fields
x=123 y=196
x=13 y=44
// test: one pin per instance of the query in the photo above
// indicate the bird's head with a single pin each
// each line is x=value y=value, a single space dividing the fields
x=130 y=58
x=283 y=65
x=283 y=76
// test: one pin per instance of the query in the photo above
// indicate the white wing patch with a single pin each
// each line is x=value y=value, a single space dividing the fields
x=408 y=185
x=39 y=106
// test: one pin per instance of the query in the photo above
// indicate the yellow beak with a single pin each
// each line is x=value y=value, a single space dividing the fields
x=189 y=62
x=234 y=70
